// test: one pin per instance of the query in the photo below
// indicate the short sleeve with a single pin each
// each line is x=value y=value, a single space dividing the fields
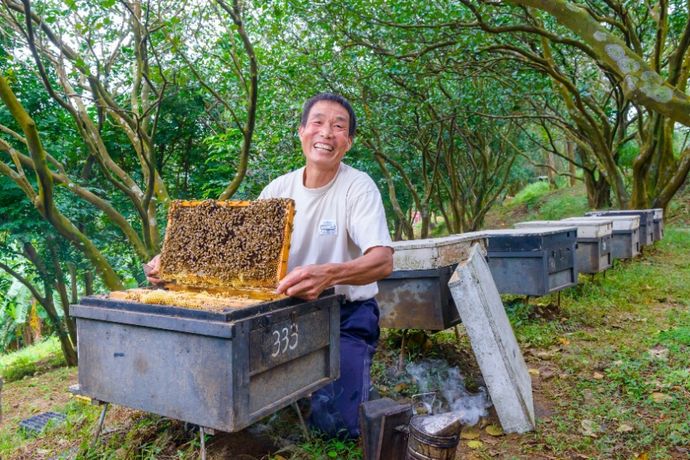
x=366 y=222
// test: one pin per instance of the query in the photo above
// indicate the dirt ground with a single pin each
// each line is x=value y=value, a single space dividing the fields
x=34 y=395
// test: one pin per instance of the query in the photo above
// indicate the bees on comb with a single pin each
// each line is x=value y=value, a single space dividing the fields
x=227 y=244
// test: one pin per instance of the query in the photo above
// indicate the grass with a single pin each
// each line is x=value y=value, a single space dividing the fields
x=538 y=202
x=31 y=359
x=531 y=194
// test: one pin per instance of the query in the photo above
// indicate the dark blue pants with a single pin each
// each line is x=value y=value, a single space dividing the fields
x=335 y=408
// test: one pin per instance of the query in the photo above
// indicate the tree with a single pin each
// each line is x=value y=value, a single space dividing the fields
x=110 y=68
x=612 y=35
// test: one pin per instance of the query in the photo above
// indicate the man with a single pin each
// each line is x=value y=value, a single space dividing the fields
x=340 y=238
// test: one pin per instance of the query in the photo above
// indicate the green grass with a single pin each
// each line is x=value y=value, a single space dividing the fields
x=29 y=360
x=531 y=194
x=560 y=205
x=538 y=202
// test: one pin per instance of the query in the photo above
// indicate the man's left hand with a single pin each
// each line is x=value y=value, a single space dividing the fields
x=306 y=282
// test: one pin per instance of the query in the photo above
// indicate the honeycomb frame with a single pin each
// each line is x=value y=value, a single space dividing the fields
x=179 y=277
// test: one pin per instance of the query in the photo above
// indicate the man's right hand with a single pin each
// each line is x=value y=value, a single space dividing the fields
x=151 y=270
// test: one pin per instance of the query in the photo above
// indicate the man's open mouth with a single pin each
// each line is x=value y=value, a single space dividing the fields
x=320 y=146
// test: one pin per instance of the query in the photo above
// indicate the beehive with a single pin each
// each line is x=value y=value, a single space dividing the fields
x=221 y=254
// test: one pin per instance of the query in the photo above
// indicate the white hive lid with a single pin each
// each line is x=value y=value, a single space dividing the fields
x=620 y=223
x=585 y=228
x=431 y=253
x=658 y=213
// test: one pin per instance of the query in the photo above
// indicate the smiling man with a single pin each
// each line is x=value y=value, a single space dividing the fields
x=340 y=239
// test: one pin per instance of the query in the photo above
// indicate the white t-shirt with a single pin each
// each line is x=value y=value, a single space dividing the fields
x=335 y=223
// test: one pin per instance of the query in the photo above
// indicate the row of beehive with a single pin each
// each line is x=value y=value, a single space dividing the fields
x=536 y=258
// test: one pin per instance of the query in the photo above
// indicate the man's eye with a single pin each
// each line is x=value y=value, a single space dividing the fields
x=339 y=126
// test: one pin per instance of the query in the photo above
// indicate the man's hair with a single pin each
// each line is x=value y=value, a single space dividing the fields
x=333 y=98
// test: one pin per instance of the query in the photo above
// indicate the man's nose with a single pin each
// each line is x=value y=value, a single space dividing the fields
x=326 y=130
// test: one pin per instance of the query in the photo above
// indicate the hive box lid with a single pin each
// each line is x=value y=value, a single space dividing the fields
x=227 y=245
x=658 y=213
x=620 y=223
x=585 y=228
x=520 y=240
x=646 y=215
x=431 y=253
x=529 y=231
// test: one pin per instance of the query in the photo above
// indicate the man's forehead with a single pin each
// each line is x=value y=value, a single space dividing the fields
x=322 y=109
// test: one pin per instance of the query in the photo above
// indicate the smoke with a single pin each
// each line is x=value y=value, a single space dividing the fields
x=442 y=389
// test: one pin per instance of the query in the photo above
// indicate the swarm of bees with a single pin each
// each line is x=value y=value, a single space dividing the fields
x=220 y=254
x=216 y=244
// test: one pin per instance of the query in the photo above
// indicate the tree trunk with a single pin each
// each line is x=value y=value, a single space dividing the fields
x=397 y=233
x=598 y=190
x=570 y=150
x=88 y=283
x=73 y=282
x=550 y=169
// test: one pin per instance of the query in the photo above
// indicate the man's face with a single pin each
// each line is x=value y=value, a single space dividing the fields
x=325 y=138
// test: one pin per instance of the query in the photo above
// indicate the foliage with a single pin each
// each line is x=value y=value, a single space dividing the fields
x=30 y=360
x=531 y=193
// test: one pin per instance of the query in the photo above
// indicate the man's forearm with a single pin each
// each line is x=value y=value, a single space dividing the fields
x=309 y=281
x=376 y=264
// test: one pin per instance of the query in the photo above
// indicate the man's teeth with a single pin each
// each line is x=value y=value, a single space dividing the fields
x=321 y=146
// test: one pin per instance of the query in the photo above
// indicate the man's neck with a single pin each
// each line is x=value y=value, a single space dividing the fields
x=315 y=177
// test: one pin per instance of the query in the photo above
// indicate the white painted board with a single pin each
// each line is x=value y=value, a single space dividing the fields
x=431 y=253
x=493 y=342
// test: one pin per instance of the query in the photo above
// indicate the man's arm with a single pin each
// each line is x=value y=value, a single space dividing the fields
x=311 y=280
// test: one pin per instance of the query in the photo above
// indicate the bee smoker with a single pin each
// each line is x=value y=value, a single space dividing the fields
x=433 y=437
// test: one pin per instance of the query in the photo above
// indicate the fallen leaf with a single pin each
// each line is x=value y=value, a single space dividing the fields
x=533 y=371
x=589 y=428
x=642 y=456
x=598 y=375
x=399 y=387
x=588 y=397
x=564 y=341
x=494 y=430
x=658 y=352
x=623 y=428
x=469 y=432
x=548 y=354
x=660 y=397
x=474 y=444
x=546 y=374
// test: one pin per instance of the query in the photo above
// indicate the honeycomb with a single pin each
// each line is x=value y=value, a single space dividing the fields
x=216 y=244
x=206 y=301
x=221 y=254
